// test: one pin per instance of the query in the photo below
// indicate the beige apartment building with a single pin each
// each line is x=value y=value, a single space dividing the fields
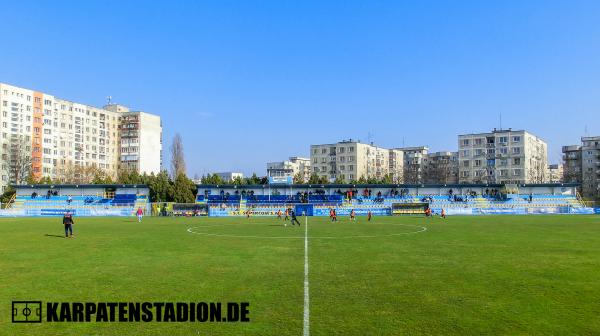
x=396 y=168
x=290 y=168
x=502 y=156
x=350 y=160
x=47 y=136
x=414 y=157
x=141 y=139
x=555 y=173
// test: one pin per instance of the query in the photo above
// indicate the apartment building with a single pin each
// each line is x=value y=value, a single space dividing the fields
x=440 y=168
x=141 y=139
x=229 y=176
x=582 y=165
x=572 y=164
x=45 y=136
x=502 y=156
x=590 y=166
x=413 y=163
x=555 y=173
x=350 y=160
x=396 y=168
x=290 y=168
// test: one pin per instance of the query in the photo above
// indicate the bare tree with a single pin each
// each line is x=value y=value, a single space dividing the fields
x=177 y=158
x=537 y=171
x=440 y=169
x=412 y=173
x=70 y=173
x=16 y=159
x=442 y=173
x=65 y=171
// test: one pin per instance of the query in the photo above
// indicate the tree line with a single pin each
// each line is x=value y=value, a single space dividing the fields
x=163 y=187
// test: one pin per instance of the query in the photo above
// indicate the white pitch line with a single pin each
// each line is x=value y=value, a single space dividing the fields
x=306 y=329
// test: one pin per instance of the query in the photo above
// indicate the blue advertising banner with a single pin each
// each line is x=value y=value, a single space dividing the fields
x=582 y=211
x=324 y=211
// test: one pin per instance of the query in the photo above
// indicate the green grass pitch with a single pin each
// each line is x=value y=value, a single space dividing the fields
x=510 y=275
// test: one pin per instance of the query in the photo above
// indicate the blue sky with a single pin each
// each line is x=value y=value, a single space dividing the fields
x=247 y=82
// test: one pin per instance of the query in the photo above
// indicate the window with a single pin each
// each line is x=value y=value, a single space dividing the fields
x=517 y=139
x=503 y=139
x=516 y=172
x=477 y=163
x=516 y=161
x=516 y=150
x=466 y=163
x=478 y=141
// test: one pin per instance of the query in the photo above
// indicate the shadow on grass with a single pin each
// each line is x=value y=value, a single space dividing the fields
x=56 y=236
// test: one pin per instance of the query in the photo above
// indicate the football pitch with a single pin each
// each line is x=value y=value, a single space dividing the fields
x=510 y=275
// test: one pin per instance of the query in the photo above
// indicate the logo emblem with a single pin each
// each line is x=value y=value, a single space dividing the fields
x=27 y=311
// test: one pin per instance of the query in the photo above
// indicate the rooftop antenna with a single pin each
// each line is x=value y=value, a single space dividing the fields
x=109 y=99
x=370 y=138
x=500 y=120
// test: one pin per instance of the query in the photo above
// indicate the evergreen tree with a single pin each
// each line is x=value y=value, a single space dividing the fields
x=7 y=195
x=185 y=190
x=161 y=187
x=299 y=178
x=314 y=179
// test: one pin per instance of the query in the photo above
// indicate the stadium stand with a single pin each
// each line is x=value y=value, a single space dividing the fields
x=520 y=203
x=88 y=200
